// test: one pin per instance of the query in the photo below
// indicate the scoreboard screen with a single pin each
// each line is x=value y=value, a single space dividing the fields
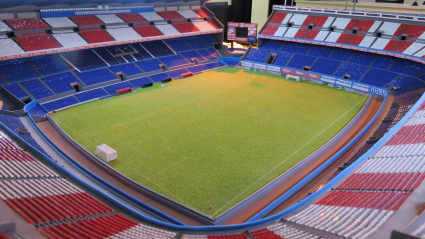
x=242 y=32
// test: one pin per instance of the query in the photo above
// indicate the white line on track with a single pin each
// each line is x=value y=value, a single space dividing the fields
x=296 y=151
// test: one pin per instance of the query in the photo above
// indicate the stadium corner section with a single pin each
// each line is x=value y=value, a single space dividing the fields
x=157 y=221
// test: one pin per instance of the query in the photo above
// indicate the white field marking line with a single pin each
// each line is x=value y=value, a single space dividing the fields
x=168 y=148
x=131 y=147
x=320 y=88
x=296 y=151
x=149 y=131
x=165 y=169
x=161 y=187
x=147 y=178
x=171 y=150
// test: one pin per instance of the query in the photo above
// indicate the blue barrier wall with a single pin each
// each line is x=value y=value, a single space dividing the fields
x=33 y=104
x=354 y=85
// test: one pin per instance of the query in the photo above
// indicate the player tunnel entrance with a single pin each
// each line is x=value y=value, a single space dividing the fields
x=77 y=87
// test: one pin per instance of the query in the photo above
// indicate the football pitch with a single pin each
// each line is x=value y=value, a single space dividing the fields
x=215 y=138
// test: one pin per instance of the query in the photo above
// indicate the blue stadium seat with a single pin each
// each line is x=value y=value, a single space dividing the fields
x=112 y=88
x=271 y=45
x=175 y=60
x=159 y=77
x=48 y=65
x=17 y=71
x=378 y=77
x=140 y=81
x=208 y=39
x=363 y=58
x=16 y=90
x=38 y=111
x=341 y=54
x=295 y=47
x=13 y=122
x=91 y=94
x=383 y=62
x=298 y=61
x=320 y=51
x=212 y=51
x=107 y=56
x=129 y=69
x=36 y=88
x=282 y=58
x=325 y=66
x=177 y=73
x=149 y=65
x=230 y=62
x=60 y=83
x=195 y=42
x=193 y=54
x=197 y=68
x=96 y=76
x=408 y=67
x=207 y=54
x=158 y=48
x=422 y=77
x=128 y=48
x=129 y=58
x=61 y=103
x=214 y=65
x=406 y=83
x=178 y=45
x=141 y=50
x=257 y=55
x=355 y=70
x=84 y=60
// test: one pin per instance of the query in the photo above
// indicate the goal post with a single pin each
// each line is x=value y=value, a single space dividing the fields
x=291 y=77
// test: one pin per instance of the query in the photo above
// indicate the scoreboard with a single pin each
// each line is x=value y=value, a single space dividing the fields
x=242 y=32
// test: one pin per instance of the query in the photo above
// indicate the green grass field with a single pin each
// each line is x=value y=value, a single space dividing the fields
x=215 y=138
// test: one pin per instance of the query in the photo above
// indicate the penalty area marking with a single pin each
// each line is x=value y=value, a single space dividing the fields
x=296 y=151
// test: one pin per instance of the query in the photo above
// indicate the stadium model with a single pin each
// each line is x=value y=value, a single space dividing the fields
x=315 y=131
